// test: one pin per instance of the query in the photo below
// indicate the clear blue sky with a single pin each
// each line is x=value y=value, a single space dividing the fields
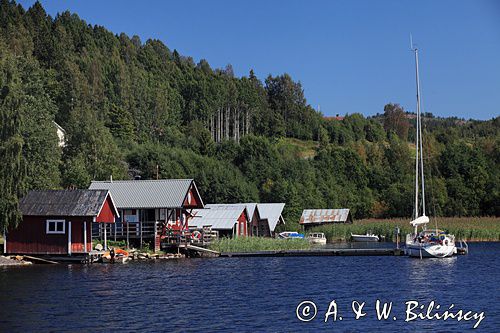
x=350 y=56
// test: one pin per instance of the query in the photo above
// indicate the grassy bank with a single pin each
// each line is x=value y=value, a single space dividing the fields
x=468 y=228
x=251 y=244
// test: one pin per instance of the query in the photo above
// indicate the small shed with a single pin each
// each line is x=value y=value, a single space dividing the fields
x=314 y=217
x=270 y=217
x=58 y=222
x=228 y=220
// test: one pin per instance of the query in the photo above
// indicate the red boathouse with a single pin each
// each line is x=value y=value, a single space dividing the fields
x=60 y=222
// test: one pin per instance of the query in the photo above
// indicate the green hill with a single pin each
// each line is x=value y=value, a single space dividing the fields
x=132 y=108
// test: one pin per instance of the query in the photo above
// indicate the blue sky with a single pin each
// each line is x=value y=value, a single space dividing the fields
x=350 y=56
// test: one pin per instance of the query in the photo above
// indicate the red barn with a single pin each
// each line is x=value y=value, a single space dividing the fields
x=59 y=222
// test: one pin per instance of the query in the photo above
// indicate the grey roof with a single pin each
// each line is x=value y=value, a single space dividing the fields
x=271 y=212
x=267 y=211
x=324 y=215
x=163 y=193
x=217 y=216
x=251 y=206
x=63 y=202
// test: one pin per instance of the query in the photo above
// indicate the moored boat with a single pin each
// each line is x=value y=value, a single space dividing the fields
x=317 y=238
x=368 y=237
x=426 y=243
x=290 y=235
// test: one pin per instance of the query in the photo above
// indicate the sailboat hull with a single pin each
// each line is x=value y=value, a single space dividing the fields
x=430 y=251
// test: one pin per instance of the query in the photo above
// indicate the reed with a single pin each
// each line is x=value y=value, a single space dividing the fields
x=466 y=228
x=253 y=244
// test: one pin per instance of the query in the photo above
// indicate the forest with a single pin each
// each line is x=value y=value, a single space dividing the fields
x=133 y=108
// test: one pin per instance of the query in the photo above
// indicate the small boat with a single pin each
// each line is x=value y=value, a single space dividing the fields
x=368 y=237
x=121 y=256
x=290 y=235
x=317 y=238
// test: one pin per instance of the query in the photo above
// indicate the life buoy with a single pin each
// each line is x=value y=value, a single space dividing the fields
x=196 y=235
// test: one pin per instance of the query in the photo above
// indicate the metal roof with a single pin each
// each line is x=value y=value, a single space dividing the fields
x=324 y=215
x=267 y=211
x=271 y=212
x=163 y=193
x=250 y=207
x=63 y=202
x=217 y=216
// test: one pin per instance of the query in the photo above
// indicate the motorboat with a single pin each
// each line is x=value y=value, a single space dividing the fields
x=317 y=238
x=368 y=237
x=290 y=235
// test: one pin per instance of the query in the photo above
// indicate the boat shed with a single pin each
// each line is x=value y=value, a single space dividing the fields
x=263 y=217
x=314 y=217
x=228 y=220
x=270 y=217
x=151 y=210
x=58 y=222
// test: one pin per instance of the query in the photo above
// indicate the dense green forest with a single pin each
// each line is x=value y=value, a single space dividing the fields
x=133 y=108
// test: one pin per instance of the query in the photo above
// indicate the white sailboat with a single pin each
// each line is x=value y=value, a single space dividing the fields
x=431 y=243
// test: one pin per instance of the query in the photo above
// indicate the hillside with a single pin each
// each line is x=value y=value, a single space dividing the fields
x=134 y=108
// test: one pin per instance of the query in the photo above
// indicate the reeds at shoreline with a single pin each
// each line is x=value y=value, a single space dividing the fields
x=253 y=244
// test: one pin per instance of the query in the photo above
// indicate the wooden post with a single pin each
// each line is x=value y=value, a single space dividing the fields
x=85 y=236
x=105 y=238
x=69 y=237
x=140 y=231
x=115 y=230
x=4 y=240
x=128 y=245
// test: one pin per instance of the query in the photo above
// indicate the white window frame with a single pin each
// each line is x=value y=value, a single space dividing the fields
x=55 y=232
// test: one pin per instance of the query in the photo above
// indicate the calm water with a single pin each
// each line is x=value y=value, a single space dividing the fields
x=248 y=294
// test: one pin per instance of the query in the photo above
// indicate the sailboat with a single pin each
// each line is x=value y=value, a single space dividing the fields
x=430 y=243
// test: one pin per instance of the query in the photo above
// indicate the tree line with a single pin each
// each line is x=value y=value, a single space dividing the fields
x=132 y=108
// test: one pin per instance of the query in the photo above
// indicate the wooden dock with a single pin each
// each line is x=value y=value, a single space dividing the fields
x=317 y=253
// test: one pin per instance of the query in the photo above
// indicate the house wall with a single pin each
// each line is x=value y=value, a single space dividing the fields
x=192 y=199
x=107 y=213
x=242 y=225
x=31 y=237
x=264 y=228
x=254 y=224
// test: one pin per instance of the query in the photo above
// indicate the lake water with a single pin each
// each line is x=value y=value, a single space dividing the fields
x=249 y=294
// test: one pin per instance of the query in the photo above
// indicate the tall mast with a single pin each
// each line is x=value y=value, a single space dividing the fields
x=417 y=132
x=419 y=129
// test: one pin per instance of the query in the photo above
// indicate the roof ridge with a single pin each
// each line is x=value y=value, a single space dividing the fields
x=141 y=180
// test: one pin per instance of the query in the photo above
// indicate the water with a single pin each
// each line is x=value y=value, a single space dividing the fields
x=248 y=294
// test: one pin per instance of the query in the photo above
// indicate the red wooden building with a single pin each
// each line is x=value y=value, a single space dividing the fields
x=152 y=211
x=59 y=222
x=228 y=220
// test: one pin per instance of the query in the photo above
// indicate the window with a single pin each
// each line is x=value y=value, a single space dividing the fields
x=56 y=226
